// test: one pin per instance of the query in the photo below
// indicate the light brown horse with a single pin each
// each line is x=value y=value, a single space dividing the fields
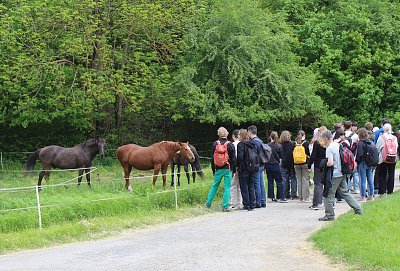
x=157 y=157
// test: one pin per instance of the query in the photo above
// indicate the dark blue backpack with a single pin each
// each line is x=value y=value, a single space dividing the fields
x=371 y=155
x=252 y=159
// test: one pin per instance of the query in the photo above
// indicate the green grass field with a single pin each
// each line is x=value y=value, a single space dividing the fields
x=70 y=213
x=367 y=242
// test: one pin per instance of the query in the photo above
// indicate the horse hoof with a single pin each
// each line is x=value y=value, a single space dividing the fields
x=130 y=188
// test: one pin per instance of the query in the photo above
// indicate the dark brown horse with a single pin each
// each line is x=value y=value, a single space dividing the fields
x=179 y=161
x=157 y=157
x=78 y=157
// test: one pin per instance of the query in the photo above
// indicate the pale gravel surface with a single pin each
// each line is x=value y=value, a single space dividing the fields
x=272 y=238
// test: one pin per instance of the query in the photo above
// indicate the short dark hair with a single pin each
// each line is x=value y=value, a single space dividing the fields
x=235 y=133
x=347 y=124
x=384 y=121
x=338 y=133
x=252 y=129
x=354 y=123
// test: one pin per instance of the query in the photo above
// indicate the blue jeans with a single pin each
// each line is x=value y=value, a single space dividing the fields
x=274 y=173
x=356 y=181
x=289 y=182
x=259 y=186
x=366 y=174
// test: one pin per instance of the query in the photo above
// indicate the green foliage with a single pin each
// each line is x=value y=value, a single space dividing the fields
x=239 y=68
x=372 y=232
x=353 y=48
x=140 y=71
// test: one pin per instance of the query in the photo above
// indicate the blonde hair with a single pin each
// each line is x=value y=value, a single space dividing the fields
x=244 y=135
x=320 y=131
x=285 y=136
x=222 y=132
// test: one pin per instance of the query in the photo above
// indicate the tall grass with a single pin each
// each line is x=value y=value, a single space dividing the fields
x=367 y=242
x=71 y=213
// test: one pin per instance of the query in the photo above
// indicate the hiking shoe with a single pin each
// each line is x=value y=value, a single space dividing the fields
x=226 y=210
x=274 y=200
x=295 y=197
x=316 y=207
x=325 y=218
x=258 y=206
x=263 y=205
x=283 y=201
x=245 y=209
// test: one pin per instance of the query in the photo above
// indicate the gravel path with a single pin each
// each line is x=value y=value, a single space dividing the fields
x=272 y=238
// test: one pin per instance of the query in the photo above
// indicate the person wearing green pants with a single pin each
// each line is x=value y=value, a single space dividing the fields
x=223 y=164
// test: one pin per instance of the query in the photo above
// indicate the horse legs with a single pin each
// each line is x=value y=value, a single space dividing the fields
x=127 y=172
x=186 y=168
x=87 y=171
x=179 y=175
x=193 y=172
x=80 y=172
x=172 y=173
x=44 y=173
x=157 y=169
x=164 y=177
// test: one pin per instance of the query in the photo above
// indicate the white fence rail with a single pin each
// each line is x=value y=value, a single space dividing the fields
x=37 y=189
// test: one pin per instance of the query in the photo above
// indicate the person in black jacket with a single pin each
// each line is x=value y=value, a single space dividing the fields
x=274 y=170
x=317 y=154
x=364 y=171
x=222 y=171
x=245 y=177
x=287 y=167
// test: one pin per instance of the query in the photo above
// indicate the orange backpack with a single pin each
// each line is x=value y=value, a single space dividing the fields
x=221 y=156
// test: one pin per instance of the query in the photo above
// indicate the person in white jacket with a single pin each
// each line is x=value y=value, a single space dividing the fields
x=386 y=168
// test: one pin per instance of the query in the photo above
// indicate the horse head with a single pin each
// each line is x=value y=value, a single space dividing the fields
x=101 y=144
x=186 y=152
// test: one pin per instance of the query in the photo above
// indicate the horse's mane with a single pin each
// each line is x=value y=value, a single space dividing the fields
x=89 y=141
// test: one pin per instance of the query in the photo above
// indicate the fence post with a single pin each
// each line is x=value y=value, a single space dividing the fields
x=38 y=204
x=176 y=195
x=1 y=161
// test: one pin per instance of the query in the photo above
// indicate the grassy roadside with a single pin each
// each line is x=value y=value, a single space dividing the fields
x=91 y=229
x=367 y=242
x=71 y=214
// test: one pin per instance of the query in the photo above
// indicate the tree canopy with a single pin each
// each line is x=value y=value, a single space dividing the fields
x=144 y=70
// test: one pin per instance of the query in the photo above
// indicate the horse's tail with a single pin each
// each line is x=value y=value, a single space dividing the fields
x=197 y=165
x=30 y=163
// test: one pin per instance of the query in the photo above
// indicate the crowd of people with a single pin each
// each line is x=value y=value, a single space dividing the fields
x=345 y=161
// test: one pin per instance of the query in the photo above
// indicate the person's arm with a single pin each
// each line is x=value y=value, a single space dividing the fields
x=232 y=157
x=379 y=144
x=329 y=156
x=359 y=152
x=212 y=158
x=306 y=145
x=313 y=154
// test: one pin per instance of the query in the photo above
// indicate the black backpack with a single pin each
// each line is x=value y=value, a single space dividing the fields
x=371 y=155
x=265 y=153
x=252 y=159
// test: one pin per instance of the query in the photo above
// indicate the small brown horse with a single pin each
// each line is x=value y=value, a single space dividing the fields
x=157 y=157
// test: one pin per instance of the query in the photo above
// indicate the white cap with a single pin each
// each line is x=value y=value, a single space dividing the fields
x=375 y=129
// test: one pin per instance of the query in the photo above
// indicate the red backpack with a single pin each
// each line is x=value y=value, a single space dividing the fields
x=389 y=151
x=347 y=159
x=221 y=156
